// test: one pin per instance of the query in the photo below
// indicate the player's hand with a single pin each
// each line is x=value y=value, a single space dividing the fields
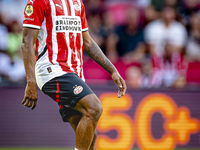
x=120 y=83
x=31 y=96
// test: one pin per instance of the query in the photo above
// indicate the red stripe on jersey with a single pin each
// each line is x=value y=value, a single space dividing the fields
x=73 y=52
x=49 y=42
x=81 y=66
x=57 y=92
x=37 y=46
x=60 y=106
x=78 y=47
x=68 y=7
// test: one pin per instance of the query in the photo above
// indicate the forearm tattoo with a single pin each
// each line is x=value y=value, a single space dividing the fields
x=98 y=56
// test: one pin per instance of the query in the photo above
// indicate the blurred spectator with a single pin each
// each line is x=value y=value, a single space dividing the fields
x=106 y=31
x=126 y=48
x=186 y=9
x=17 y=72
x=4 y=58
x=94 y=7
x=3 y=37
x=13 y=10
x=166 y=39
x=165 y=29
x=133 y=77
x=150 y=14
x=128 y=41
x=172 y=3
x=15 y=39
x=193 y=44
x=160 y=4
x=193 y=50
x=152 y=11
x=94 y=22
x=143 y=3
x=11 y=64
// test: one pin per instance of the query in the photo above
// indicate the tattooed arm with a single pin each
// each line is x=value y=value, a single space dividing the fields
x=94 y=51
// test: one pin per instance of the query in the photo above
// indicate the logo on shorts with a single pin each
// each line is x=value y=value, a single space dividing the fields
x=78 y=89
x=29 y=10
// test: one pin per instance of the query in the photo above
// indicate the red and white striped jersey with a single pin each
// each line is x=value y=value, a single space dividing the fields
x=59 y=45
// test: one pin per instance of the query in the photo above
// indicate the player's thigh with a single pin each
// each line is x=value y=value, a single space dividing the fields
x=90 y=105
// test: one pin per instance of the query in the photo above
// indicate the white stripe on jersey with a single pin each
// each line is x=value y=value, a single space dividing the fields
x=64 y=6
x=75 y=36
x=86 y=29
x=54 y=39
x=69 y=52
x=78 y=60
x=72 y=8
x=31 y=26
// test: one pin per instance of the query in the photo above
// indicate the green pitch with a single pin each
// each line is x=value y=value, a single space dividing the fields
x=60 y=149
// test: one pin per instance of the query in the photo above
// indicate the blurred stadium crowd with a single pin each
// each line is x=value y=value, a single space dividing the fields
x=153 y=43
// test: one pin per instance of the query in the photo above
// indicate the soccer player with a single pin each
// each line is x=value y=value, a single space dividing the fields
x=60 y=31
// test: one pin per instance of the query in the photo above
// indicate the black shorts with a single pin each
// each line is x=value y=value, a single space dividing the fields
x=67 y=90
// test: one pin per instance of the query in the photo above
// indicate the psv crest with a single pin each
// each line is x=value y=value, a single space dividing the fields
x=77 y=7
x=77 y=89
x=29 y=10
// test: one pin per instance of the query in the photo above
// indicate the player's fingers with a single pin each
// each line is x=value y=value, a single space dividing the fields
x=118 y=83
x=27 y=102
x=34 y=105
x=120 y=87
x=124 y=86
x=30 y=104
x=120 y=92
x=24 y=100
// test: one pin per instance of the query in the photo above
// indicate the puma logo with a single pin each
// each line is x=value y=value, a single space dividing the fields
x=32 y=1
x=59 y=6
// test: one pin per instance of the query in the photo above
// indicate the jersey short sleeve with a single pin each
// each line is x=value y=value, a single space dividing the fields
x=34 y=14
x=83 y=18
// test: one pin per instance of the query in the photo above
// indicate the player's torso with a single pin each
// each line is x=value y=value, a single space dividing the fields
x=63 y=32
x=60 y=41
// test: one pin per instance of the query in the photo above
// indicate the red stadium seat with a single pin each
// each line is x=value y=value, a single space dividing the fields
x=193 y=72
